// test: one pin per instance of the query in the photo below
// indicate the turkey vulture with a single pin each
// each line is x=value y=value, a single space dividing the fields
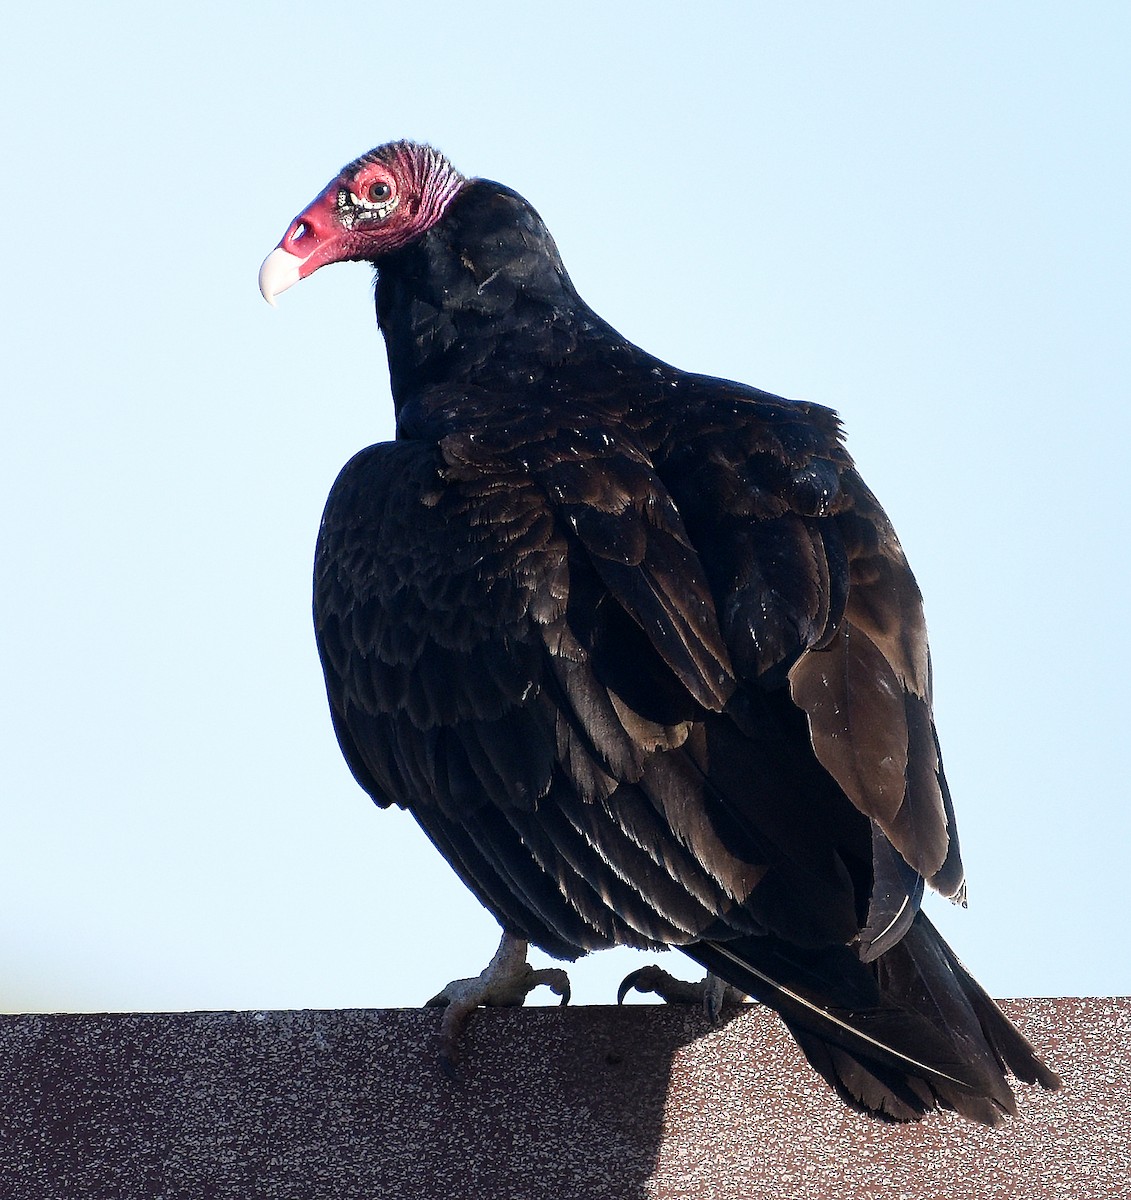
x=639 y=650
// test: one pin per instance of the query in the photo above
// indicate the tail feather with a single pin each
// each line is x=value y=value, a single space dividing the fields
x=888 y=1095
x=1012 y=1049
x=895 y=1038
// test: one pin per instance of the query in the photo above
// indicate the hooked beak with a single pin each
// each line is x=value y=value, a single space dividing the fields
x=313 y=239
x=281 y=269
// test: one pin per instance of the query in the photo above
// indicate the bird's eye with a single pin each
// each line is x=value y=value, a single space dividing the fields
x=376 y=197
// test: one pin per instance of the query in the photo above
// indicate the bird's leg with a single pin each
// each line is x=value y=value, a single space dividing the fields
x=714 y=994
x=506 y=980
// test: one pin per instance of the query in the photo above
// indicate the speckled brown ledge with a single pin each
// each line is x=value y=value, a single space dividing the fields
x=585 y=1103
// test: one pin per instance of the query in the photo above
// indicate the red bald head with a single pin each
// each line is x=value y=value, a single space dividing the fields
x=386 y=199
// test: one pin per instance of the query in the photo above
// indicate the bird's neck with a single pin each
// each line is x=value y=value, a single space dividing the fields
x=482 y=298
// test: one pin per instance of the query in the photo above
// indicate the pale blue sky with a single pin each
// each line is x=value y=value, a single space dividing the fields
x=916 y=214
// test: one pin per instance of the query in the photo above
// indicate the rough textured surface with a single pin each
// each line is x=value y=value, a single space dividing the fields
x=590 y=1103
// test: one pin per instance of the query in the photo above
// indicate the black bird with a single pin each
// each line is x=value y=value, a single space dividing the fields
x=639 y=651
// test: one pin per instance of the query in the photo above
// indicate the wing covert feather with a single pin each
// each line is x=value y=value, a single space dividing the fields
x=867 y=695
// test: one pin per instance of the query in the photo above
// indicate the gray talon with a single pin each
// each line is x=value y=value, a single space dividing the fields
x=713 y=993
x=505 y=982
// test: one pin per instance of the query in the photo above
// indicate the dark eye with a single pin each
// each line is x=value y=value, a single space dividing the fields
x=378 y=191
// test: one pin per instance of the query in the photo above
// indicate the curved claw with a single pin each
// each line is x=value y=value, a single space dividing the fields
x=660 y=983
x=555 y=979
x=452 y=1026
x=506 y=982
x=713 y=993
x=508 y=991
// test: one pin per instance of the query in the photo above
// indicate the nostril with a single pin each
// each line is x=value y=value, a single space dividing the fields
x=298 y=233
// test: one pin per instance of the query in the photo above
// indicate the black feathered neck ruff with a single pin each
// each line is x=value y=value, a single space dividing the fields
x=481 y=297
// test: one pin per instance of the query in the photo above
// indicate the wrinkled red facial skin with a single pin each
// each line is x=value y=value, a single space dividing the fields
x=335 y=228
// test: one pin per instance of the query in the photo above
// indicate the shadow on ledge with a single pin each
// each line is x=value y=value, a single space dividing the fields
x=587 y=1103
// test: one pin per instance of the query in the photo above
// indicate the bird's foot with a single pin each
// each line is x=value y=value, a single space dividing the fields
x=505 y=982
x=713 y=993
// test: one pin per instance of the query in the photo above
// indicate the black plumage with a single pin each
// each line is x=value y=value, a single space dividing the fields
x=639 y=649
